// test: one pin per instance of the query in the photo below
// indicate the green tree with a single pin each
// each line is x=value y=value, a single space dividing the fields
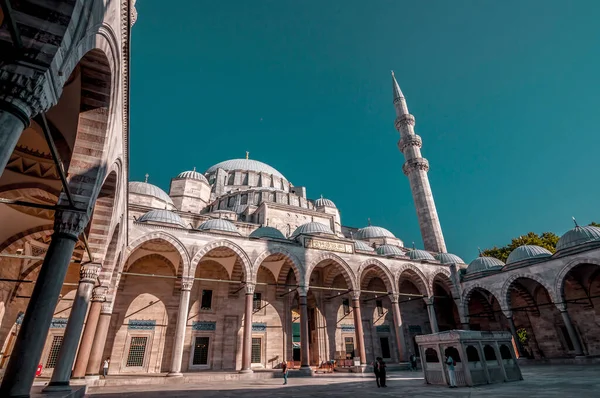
x=594 y=224
x=547 y=240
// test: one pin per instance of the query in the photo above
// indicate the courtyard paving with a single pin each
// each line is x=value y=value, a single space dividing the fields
x=539 y=381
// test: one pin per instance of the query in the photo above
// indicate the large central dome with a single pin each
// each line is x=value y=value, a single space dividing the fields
x=245 y=164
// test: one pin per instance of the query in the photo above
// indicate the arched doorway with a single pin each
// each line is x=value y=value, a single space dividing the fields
x=412 y=288
x=445 y=307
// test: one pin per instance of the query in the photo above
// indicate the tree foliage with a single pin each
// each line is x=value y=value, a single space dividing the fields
x=547 y=240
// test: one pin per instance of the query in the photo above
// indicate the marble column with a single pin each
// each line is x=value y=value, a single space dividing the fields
x=513 y=331
x=398 y=329
x=26 y=354
x=431 y=313
x=571 y=330
x=304 y=337
x=182 y=317
x=95 y=361
x=358 y=328
x=13 y=120
x=247 y=342
x=83 y=355
x=88 y=274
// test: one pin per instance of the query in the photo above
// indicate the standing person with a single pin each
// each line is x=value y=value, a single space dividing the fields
x=284 y=367
x=105 y=366
x=451 y=374
x=376 y=371
x=382 y=372
x=413 y=362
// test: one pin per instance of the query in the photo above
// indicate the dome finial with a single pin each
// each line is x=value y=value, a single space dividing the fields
x=480 y=254
x=321 y=196
x=194 y=168
x=247 y=155
x=369 y=221
x=147 y=175
x=414 y=246
x=575 y=221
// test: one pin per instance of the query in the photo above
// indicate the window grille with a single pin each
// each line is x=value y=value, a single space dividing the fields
x=54 y=349
x=346 y=304
x=349 y=343
x=137 y=350
x=256 y=350
x=379 y=304
x=206 y=300
x=201 y=351
x=257 y=302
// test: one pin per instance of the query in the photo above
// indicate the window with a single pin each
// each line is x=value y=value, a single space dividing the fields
x=201 y=351
x=206 y=300
x=505 y=352
x=54 y=349
x=346 y=304
x=472 y=354
x=452 y=352
x=256 y=350
x=257 y=302
x=244 y=199
x=379 y=305
x=137 y=350
x=431 y=356
x=231 y=201
x=349 y=343
x=488 y=353
x=385 y=347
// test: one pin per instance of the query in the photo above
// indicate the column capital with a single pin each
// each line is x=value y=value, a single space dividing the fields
x=70 y=223
x=508 y=314
x=562 y=307
x=187 y=284
x=303 y=291
x=99 y=294
x=428 y=300
x=88 y=273
x=355 y=294
x=27 y=90
x=395 y=298
x=107 y=308
x=250 y=287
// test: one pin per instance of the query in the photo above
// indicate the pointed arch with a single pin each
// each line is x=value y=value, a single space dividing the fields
x=441 y=272
x=380 y=269
x=246 y=263
x=468 y=292
x=505 y=291
x=349 y=275
x=559 y=281
x=161 y=235
x=418 y=278
x=297 y=267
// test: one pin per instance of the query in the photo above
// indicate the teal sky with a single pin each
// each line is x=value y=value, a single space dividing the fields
x=505 y=96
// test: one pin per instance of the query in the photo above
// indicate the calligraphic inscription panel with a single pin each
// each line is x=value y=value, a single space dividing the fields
x=318 y=244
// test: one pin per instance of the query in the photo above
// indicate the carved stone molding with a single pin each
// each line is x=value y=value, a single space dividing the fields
x=187 y=284
x=415 y=164
x=29 y=90
x=404 y=120
x=107 y=308
x=411 y=140
x=70 y=223
x=355 y=294
x=395 y=297
x=302 y=291
x=428 y=300
x=99 y=294
x=88 y=273
x=250 y=288
x=134 y=12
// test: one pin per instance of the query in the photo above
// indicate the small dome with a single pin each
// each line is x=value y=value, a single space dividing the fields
x=162 y=216
x=362 y=246
x=144 y=188
x=193 y=175
x=312 y=228
x=267 y=232
x=578 y=236
x=420 y=255
x=218 y=224
x=484 y=264
x=526 y=252
x=321 y=202
x=245 y=164
x=449 y=258
x=372 y=232
x=389 y=250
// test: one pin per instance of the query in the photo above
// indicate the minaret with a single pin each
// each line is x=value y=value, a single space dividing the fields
x=415 y=168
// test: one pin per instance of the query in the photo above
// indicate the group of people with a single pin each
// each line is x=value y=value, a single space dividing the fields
x=380 y=372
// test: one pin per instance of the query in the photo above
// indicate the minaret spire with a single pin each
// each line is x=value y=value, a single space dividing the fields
x=416 y=168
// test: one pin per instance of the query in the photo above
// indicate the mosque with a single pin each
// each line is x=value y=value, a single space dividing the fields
x=235 y=268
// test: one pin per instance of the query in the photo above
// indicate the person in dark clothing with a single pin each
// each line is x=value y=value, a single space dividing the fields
x=382 y=372
x=376 y=371
x=413 y=362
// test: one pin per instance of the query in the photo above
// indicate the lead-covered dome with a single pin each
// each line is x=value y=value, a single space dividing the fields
x=416 y=254
x=527 y=252
x=192 y=175
x=245 y=164
x=389 y=250
x=144 y=188
x=218 y=225
x=449 y=258
x=372 y=232
x=162 y=216
x=362 y=246
x=267 y=232
x=578 y=236
x=312 y=228
x=484 y=264
x=322 y=202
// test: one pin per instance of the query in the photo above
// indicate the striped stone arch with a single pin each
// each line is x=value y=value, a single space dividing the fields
x=468 y=292
x=160 y=235
x=382 y=271
x=13 y=243
x=347 y=272
x=420 y=283
x=559 y=281
x=246 y=263
x=505 y=291
x=297 y=267
x=442 y=271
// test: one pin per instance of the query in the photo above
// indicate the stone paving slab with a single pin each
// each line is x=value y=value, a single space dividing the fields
x=540 y=381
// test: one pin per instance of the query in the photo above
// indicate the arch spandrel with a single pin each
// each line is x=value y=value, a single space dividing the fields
x=347 y=271
x=383 y=272
x=246 y=263
x=297 y=266
x=420 y=282
x=160 y=235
